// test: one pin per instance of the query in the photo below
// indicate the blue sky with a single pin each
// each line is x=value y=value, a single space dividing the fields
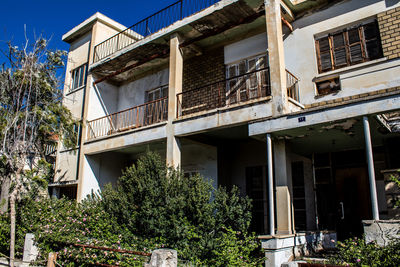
x=53 y=18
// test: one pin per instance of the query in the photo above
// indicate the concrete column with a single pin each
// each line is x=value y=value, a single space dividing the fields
x=276 y=56
x=89 y=83
x=175 y=87
x=371 y=170
x=283 y=184
x=271 y=202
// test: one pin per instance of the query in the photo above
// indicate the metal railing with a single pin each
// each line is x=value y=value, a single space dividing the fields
x=150 y=25
x=235 y=90
x=142 y=115
x=292 y=85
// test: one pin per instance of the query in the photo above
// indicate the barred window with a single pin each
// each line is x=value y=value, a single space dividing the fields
x=349 y=46
x=78 y=77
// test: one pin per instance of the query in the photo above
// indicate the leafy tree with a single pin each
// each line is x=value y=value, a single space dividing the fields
x=31 y=118
x=208 y=226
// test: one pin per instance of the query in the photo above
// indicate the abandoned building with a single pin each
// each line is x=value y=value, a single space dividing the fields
x=296 y=102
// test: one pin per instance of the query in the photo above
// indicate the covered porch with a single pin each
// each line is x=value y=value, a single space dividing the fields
x=327 y=167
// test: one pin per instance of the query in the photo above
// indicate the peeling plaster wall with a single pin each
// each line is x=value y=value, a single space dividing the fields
x=67 y=160
x=67 y=164
x=133 y=93
x=201 y=158
x=300 y=53
x=103 y=100
x=245 y=48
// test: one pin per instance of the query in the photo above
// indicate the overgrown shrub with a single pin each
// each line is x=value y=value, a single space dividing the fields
x=59 y=223
x=151 y=207
x=205 y=225
x=356 y=252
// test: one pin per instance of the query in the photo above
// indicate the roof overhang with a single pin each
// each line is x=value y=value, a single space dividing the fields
x=86 y=26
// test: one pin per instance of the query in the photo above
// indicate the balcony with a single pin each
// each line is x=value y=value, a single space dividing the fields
x=225 y=93
x=150 y=25
x=128 y=119
x=243 y=89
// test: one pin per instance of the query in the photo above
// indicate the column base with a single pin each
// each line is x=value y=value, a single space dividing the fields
x=285 y=248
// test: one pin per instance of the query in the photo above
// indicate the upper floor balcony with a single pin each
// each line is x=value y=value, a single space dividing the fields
x=149 y=25
x=246 y=88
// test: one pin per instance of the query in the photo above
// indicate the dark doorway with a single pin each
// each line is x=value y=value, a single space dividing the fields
x=353 y=201
x=255 y=191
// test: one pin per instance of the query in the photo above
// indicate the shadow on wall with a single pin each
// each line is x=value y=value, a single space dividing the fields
x=390 y=3
x=332 y=10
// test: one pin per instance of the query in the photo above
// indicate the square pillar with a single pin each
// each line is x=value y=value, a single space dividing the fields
x=276 y=57
x=175 y=87
x=282 y=184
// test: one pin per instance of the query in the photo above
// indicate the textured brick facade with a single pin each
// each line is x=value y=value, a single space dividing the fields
x=389 y=27
x=200 y=77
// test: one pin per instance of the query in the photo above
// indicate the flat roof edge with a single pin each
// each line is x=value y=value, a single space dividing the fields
x=84 y=27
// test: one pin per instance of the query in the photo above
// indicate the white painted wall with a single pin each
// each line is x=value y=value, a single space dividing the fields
x=300 y=53
x=201 y=158
x=101 y=169
x=245 y=48
x=103 y=100
x=133 y=93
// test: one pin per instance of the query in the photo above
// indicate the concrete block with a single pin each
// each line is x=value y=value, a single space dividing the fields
x=382 y=232
x=30 y=250
x=163 y=258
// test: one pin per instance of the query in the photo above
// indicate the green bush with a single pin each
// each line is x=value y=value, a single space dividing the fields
x=153 y=201
x=356 y=252
x=151 y=207
x=59 y=223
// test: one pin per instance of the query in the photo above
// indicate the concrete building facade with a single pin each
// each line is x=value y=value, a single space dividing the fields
x=295 y=102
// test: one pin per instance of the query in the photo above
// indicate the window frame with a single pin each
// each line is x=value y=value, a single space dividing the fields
x=236 y=87
x=347 y=46
x=76 y=73
x=154 y=90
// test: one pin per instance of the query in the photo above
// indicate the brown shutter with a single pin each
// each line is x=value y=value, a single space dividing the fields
x=339 y=50
x=325 y=54
x=355 y=46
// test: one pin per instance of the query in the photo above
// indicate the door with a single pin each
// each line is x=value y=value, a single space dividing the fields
x=353 y=201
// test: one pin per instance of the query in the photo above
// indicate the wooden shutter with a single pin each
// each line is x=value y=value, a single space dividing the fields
x=325 y=59
x=339 y=50
x=355 y=45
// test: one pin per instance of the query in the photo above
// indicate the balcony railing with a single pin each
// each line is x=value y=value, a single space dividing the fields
x=150 y=25
x=292 y=84
x=235 y=90
x=143 y=115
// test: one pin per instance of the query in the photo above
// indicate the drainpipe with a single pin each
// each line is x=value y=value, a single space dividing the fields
x=371 y=171
x=270 y=186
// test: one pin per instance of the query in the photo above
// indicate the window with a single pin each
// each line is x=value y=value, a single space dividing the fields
x=158 y=93
x=157 y=111
x=78 y=77
x=347 y=47
x=328 y=86
x=247 y=79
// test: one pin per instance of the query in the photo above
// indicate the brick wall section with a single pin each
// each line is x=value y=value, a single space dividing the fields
x=389 y=27
x=201 y=71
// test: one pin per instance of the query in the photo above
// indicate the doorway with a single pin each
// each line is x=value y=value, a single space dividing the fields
x=353 y=201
